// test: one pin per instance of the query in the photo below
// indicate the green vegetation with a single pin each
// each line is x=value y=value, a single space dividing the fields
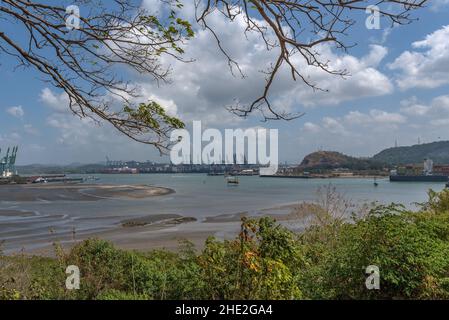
x=265 y=261
x=327 y=160
x=437 y=151
x=320 y=161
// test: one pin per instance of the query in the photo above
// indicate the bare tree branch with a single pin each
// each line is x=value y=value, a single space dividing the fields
x=117 y=37
x=114 y=38
x=297 y=27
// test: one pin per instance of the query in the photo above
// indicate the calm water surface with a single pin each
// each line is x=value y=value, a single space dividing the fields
x=200 y=195
x=197 y=195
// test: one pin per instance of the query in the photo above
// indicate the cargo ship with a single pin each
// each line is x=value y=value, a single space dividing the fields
x=426 y=176
x=420 y=178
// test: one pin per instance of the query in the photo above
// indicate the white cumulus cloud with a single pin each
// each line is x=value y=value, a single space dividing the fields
x=16 y=111
x=427 y=66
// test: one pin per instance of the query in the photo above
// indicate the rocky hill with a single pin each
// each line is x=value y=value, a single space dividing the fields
x=333 y=160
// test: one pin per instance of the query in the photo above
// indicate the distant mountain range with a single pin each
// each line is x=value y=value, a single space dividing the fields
x=437 y=151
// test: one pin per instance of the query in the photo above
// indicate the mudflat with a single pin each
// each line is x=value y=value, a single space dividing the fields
x=34 y=232
x=77 y=192
x=16 y=213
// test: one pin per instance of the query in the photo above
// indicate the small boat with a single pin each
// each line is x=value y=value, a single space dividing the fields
x=91 y=178
x=216 y=174
x=232 y=180
x=40 y=180
x=375 y=182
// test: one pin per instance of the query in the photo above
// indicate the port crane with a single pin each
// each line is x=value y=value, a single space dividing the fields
x=8 y=162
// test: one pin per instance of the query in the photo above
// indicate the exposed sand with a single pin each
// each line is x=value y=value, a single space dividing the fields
x=15 y=213
x=227 y=226
x=124 y=191
x=141 y=233
x=78 y=192
x=158 y=219
x=166 y=231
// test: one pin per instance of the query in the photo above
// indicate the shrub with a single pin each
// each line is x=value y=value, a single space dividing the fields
x=259 y=264
x=265 y=261
x=411 y=249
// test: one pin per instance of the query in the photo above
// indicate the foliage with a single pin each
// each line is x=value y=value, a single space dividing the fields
x=259 y=264
x=85 y=61
x=106 y=271
x=438 y=202
x=265 y=261
x=410 y=249
x=437 y=151
x=328 y=160
x=23 y=277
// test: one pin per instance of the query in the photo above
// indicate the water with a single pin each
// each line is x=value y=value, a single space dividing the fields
x=197 y=195
x=200 y=195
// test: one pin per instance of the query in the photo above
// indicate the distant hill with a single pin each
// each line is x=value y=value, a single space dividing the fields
x=333 y=160
x=437 y=151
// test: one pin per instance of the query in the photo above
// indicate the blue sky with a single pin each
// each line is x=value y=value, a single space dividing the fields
x=399 y=90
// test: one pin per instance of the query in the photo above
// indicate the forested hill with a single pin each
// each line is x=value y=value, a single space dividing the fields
x=437 y=151
x=333 y=160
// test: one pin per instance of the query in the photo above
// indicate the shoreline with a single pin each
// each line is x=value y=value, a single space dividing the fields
x=79 y=192
x=164 y=231
x=312 y=177
x=143 y=217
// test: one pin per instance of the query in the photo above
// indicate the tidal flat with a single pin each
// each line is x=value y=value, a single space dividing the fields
x=34 y=233
x=157 y=211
